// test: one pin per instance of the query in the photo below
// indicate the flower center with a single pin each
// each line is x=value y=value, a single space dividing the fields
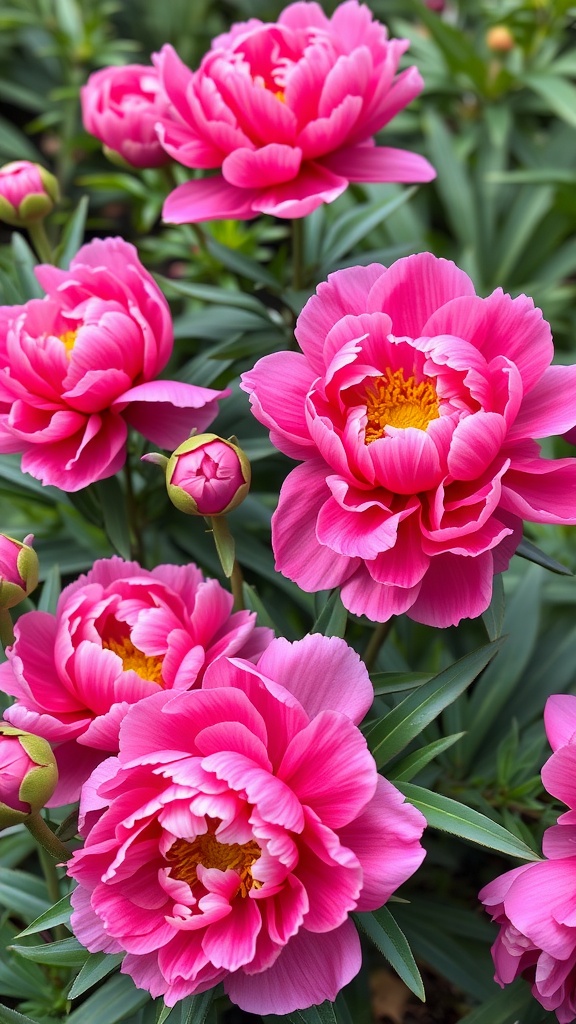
x=147 y=667
x=207 y=851
x=68 y=339
x=394 y=401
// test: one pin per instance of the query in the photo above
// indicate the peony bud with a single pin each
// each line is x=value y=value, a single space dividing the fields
x=499 y=39
x=207 y=476
x=121 y=106
x=27 y=193
x=28 y=774
x=18 y=570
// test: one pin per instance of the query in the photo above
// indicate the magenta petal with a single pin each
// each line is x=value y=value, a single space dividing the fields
x=166 y=411
x=549 y=407
x=324 y=673
x=454 y=588
x=278 y=385
x=559 y=777
x=361 y=595
x=209 y=199
x=310 y=969
x=259 y=168
x=414 y=288
x=541 y=491
x=379 y=163
x=313 y=186
x=560 y=719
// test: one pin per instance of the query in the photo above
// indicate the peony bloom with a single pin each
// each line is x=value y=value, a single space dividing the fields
x=27 y=193
x=119 y=633
x=207 y=476
x=414 y=405
x=239 y=827
x=120 y=106
x=28 y=774
x=18 y=570
x=78 y=367
x=288 y=112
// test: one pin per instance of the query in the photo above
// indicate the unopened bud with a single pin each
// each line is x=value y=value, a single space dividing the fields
x=499 y=39
x=27 y=193
x=18 y=570
x=28 y=774
x=207 y=476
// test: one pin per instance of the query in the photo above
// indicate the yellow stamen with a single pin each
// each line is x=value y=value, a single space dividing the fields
x=207 y=851
x=147 y=667
x=394 y=401
x=68 y=339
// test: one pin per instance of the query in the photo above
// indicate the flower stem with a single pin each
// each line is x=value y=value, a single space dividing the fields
x=41 y=242
x=45 y=837
x=6 y=628
x=375 y=642
x=226 y=549
x=236 y=581
x=132 y=513
x=298 y=267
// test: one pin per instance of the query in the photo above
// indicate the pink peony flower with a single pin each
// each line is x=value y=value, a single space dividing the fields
x=79 y=366
x=288 y=111
x=414 y=405
x=18 y=570
x=239 y=827
x=119 y=633
x=27 y=192
x=120 y=106
x=537 y=937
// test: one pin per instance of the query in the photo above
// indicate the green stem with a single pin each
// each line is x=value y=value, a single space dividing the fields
x=298 y=275
x=45 y=837
x=41 y=242
x=132 y=512
x=6 y=628
x=236 y=581
x=375 y=642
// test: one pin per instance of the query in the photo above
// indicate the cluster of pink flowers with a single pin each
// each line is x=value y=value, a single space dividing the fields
x=535 y=904
x=287 y=111
x=413 y=406
x=81 y=365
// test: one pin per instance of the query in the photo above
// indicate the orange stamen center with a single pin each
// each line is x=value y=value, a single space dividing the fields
x=207 y=851
x=394 y=401
x=147 y=667
x=68 y=339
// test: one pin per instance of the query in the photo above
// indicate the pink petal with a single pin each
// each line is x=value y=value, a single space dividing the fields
x=298 y=553
x=560 y=719
x=314 y=185
x=325 y=134
x=386 y=839
x=361 y=595
x=324 y=673
x=231 y=942
x=209 y=199
x=537 y=918
x=379 y=163
x=310 y=969
x=558 y=775
x=476 y=441
x=454 y=588
x=259 y=168
x=166 y=411
x=405 y=563
x=285 y=376
x=356 y=533
x=327 y=765
x=75 y=765
x=274 y=799
x=541 y=491
x=406 y=461
x=549 y=407
x=413 y=288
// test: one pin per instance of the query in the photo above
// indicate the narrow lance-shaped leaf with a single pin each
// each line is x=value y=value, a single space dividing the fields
x=381 y=927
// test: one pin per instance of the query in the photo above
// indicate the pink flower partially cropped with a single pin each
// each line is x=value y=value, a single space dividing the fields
x=414 y=406
x=287 y=111
x=535 y=906
x=121 y=106
x=239 y=827
x=78 y=367
x=119 y=633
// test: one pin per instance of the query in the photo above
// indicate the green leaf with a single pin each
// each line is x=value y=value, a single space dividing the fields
x=558 y=93
x=98 y=966
x=533 y=554
x=73 y=234
x=333 y=618
x=241 y=264
x=8 y=1016
x=457 y=47
x=254 y=604
x=381 y=927
x=450 y=816
x=113 y=504
x=58 y=914
x=409 y=766
x=63 y=952
x=24 y=262
x=115 y=1000
x=452 y=181
x=208 y=293
x=195 y=1009
x=323 y=1014
x=354 y=225
x=50 y=591
x=23 y=894
x=507 y=1006
x=397 y=682
x=387 y=737
x=493 y=617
